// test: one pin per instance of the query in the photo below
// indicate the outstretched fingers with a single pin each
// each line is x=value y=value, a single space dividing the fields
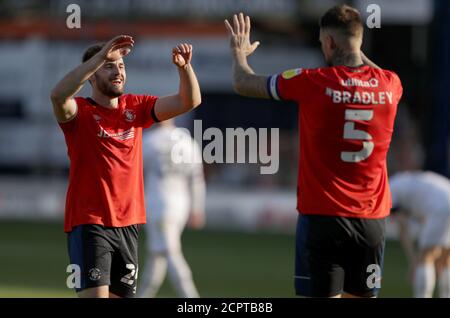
x=239 y=34
x=242 y=26
x=229 y=28
x=247 y=25
x=237 y=28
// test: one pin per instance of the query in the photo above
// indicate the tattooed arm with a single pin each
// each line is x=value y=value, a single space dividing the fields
x=245 y=81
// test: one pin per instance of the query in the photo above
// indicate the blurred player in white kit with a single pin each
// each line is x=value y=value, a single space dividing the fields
x=175 y=196
x=425 y=197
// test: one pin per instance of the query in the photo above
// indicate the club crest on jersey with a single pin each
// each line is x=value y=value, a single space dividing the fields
x=291 y=73
x=130 y=115
x=95 y=274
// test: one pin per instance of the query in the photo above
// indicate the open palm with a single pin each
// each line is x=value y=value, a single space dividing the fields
x=239 y=34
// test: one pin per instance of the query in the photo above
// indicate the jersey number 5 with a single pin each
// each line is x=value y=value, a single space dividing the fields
x=350 y=133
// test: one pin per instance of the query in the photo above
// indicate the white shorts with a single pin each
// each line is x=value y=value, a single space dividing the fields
x=436 y=231
x=164 y=234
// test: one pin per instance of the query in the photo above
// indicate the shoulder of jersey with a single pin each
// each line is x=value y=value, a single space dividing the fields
x=81 y=99
x=298 y=71
x=82 y=102
x=391 y=74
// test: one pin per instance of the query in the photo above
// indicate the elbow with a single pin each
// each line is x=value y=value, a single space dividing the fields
x=192 y=103
x=196 y=102
x=56 y=97
x=238 y=88
x=53 y=95
x=238 y=91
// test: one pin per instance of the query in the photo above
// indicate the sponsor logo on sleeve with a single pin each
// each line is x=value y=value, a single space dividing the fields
x=291 y=73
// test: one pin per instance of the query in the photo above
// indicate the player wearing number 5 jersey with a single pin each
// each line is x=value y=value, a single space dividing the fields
x=346 y=118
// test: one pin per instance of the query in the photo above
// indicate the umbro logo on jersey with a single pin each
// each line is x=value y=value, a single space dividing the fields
x=130 y=115
x=97 y=117
x=373 y=82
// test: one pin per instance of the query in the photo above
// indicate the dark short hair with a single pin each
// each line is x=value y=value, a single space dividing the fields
x=343 y=18
x=91 y=51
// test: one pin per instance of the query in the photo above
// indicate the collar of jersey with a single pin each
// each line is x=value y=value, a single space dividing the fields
x=94 y=103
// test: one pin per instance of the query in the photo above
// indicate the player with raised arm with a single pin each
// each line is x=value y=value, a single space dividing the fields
x=346 y=118
x=423 y=198
x=103 y=133
x=175 y=197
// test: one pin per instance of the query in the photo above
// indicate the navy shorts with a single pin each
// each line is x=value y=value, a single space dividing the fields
x=105 y=256
x=336 y=255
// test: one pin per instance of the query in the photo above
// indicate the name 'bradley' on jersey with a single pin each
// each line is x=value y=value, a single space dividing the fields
x=359 y=97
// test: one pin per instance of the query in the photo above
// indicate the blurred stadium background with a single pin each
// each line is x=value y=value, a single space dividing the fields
x=247 y=248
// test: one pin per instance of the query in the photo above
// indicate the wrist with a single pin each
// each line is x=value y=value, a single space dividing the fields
x=238 y=54
x=240 y=58
x=184 y=68
x=98 y=58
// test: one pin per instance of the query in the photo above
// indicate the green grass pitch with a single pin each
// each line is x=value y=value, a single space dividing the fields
x=33 y=260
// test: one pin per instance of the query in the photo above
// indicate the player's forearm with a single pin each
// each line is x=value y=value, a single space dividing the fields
x=367 y=61
x=71 y=83
x=189 y=90
x=245 y=81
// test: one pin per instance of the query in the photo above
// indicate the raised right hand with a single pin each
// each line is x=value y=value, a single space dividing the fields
x=117 y=48
x=239 y=35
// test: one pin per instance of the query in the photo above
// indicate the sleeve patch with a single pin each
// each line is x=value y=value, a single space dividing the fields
x=291 y=73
